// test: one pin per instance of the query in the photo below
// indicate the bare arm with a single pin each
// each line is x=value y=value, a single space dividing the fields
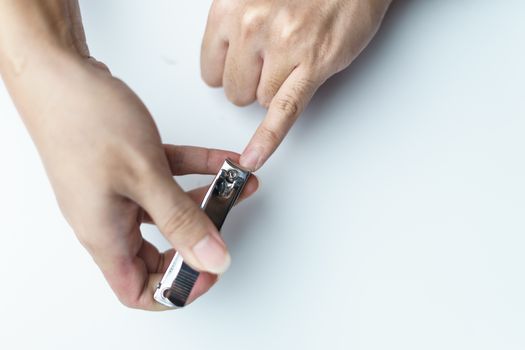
x=103 y=153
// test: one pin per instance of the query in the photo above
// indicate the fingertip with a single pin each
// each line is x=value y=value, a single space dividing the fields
x=239 y=97
x=233 y=156
x=252 y=186
x=212 y=60
x=252 y=158
x=204 y=282
x=211 y=80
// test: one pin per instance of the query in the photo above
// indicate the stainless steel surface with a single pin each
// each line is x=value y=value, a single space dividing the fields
x=179 y=279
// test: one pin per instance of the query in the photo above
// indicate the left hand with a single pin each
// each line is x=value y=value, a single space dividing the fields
x=279 y=52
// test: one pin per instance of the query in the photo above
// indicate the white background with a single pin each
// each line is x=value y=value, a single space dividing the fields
x=391 y=218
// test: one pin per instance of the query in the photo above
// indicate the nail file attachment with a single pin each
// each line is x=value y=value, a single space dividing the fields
x=179 y=279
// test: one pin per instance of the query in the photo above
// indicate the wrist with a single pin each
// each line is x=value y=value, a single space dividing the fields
x=32 y=30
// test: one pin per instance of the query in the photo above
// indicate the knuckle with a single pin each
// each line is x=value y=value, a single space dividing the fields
x=287 y=37
x=242 y=100
x=93 y=243
x=292 y=104
x=288 y=105
x=87 y=243
x=211 y=72
x=221 y=8
x=98 y=64
x=305 y=86
x=239 y=96
x=212 y=80
x=271 y=136
x=127 y=300
x=252 y=21
x=264 y=100
x=268 y=91
x=130 y=300
x=288 y=29
x=127 y=289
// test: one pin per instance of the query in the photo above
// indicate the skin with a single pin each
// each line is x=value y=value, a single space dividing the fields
x=100 y=145
x=104 y=156
x=279 y=52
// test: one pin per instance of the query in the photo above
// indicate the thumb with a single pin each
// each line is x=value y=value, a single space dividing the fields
x=185 y=225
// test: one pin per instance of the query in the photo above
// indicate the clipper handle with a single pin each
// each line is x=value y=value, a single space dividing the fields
x=178 y=281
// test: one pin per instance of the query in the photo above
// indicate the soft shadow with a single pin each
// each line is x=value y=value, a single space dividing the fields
x=342 y=82
x=242 y=219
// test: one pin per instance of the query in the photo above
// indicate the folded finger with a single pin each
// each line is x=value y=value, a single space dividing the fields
x=242 y=71
x=214 y=48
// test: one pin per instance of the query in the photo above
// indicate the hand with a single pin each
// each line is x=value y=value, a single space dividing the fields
x=104 y=156
x=279 y=52
x=108 y=168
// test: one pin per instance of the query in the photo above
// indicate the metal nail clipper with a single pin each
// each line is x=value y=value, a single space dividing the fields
x=178 y=281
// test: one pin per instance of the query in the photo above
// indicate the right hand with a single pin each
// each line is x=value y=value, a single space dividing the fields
x=109 y=171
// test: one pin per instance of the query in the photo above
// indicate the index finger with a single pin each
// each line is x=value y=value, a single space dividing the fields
x=289 y=102
x=185 y=160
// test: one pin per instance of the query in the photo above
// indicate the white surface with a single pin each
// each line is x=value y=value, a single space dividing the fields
x=392 y=217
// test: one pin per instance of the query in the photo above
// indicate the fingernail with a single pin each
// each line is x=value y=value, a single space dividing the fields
x=258 y=183
x=212 y=254
x=251 y=159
